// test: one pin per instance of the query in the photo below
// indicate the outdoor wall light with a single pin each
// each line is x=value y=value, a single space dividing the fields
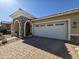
x=74 y=25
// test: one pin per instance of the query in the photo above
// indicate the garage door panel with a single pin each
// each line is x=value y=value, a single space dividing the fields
x=56 y=31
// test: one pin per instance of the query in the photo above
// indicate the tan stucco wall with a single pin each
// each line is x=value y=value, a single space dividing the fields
x=73 y=17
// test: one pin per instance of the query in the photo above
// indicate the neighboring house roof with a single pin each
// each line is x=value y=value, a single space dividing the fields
x=71 y=11
x=21 y=12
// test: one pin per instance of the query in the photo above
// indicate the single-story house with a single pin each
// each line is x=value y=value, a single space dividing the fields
x=63 y=26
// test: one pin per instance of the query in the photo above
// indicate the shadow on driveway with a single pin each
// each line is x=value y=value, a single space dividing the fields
x=53 y=46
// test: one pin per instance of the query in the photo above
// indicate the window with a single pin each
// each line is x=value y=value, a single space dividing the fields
x=42 y=25
x=36 y=25
x=49 y=24
x=60 y=24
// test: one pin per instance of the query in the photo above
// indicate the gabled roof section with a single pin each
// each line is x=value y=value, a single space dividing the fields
x=71 y=11
x=21 y=12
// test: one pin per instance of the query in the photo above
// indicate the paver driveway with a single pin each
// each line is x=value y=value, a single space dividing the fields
x=54 y=46
x=35 y=48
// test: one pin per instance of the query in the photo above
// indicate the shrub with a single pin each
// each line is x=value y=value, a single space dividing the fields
x=3 y=31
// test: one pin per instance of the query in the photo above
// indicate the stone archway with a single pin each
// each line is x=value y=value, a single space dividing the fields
x=17 y=27
x=27 y=29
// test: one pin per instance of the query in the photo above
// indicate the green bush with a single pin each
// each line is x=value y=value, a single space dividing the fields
x=5 y=31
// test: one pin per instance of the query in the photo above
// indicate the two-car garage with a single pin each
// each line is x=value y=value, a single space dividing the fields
x=58 y=30
x=64 y=26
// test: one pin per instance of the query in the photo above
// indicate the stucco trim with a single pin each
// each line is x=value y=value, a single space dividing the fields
x=21 y=12
x=69 y=29
x=74 y=34
x=25 y=27
x=19 y=26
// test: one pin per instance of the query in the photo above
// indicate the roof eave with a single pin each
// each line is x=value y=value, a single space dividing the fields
x=60 y=14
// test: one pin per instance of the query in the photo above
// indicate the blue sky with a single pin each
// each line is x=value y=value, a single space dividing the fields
x=38 y=8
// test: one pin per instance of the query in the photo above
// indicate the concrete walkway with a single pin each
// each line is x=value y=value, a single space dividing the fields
x=37 y=48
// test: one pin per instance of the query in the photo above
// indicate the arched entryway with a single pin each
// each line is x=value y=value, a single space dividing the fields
x=27 y=29
x=17 y=27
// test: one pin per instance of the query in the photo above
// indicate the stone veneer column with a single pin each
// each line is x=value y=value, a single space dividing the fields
x=22 y=20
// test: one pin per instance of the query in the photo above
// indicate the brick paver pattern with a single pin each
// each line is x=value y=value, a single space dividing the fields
x=20 y=50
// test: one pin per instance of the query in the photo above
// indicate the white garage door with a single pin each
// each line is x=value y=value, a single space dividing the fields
x=56 y=30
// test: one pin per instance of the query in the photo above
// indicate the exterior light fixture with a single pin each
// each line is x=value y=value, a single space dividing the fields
x=74 y=25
